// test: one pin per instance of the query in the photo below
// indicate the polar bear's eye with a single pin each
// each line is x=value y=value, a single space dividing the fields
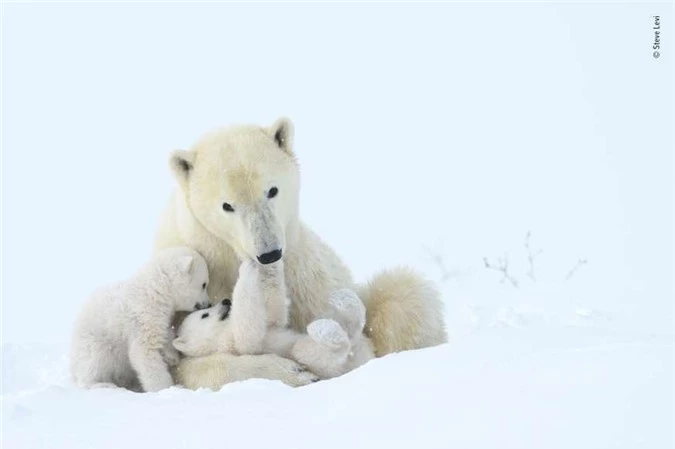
x=228 y=207
x=273 y=192
x=206 y=315
x=204 y=286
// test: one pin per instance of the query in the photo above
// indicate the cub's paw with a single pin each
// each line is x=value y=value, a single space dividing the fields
x=347 y=301
x=170 y=355
x=156 y=382
x=327 y=332
x=103 y=385
x=349 y=310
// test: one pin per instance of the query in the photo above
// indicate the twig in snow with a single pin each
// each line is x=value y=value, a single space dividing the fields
x=503 y=267
x=437 y=258
x=531 y=256
x=572 y=272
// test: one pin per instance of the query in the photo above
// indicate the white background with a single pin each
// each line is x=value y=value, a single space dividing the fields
x=453 y=127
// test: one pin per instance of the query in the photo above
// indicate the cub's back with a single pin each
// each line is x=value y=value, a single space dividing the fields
x=103 y=313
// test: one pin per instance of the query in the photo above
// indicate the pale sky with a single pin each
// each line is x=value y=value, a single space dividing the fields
x=454 y=123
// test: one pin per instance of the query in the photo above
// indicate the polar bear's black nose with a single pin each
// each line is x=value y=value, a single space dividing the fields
x=270 y=257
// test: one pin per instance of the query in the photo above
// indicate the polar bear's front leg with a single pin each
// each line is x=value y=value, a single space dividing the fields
x=215 y=370
x=248 y=316
x=170 y=354
x=150 y=366
x=273 y=287
x=324 y=350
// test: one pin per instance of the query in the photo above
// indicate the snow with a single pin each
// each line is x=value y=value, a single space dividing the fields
x=504 y=388
x=439 y=136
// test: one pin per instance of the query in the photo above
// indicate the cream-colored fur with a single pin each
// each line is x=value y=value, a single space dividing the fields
x=244 y=326
x=215 y=370
x=400 y=315
x=123 y=337
x=241 y=166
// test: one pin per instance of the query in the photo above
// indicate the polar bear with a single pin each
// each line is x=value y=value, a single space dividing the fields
x=123 y=334
x=244 y=325
x=238 y=199
x=217 y=369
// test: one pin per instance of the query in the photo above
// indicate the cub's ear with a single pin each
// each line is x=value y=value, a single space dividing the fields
x=282 y=133
x=182 y=163
x=185 y=264
x=181 y=344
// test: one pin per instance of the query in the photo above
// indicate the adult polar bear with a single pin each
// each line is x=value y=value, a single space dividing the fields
x=238 y=199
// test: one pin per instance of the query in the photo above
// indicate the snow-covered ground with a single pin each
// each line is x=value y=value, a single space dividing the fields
x=572 y=388
x=542 y=371
x=520 y=155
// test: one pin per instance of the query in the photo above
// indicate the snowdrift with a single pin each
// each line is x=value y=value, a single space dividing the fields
x=499 y=388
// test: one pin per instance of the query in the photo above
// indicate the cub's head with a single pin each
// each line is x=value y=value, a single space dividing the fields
x=187 y=276
x=201 y=332
x=242 y=185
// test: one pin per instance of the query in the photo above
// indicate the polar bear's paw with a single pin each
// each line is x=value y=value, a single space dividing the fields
x=103 y=385
x=305 y=375
x=327 y=332
x=297 y=375
x=170 y=355
x=346 y=300
x=349 y=310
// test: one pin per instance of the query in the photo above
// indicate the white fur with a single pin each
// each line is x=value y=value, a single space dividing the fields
x=215 y=370
x=123 y=336
x=327 y=349
x=239 y=166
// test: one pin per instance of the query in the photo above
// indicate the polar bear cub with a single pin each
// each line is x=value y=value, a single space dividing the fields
x=215 y=370
x=248 y=324
x=123 y=334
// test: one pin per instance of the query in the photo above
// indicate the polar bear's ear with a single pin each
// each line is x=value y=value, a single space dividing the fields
x=185 y=264
x=181 y=345
x=182 y=163
x=282 y=133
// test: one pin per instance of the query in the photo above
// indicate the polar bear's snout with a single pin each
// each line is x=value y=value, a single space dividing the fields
x=270 y=257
